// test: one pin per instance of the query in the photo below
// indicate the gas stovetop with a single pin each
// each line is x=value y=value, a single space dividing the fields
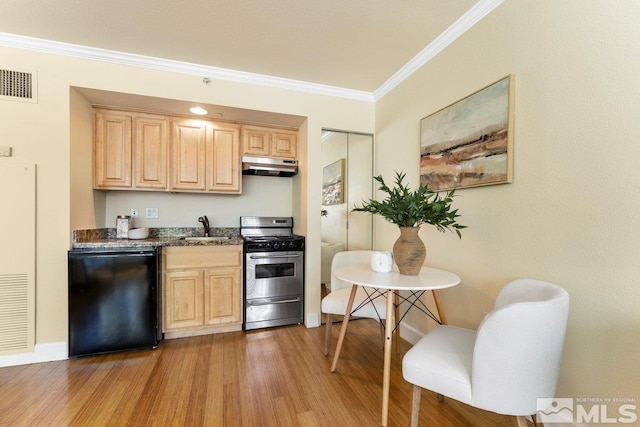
x=269 y=234
x=274 y=243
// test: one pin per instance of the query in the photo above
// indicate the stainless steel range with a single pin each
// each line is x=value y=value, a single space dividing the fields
x=273 y=272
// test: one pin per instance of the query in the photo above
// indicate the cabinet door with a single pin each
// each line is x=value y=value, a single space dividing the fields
x=223 y=160
x=150 y=153
x=183 y=299
x=188 y=155
x=284 y=144
x=112 y=150
x=223 y=301
x=255 y=141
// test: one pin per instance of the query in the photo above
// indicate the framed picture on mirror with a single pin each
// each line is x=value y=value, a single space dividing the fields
x=333 y=183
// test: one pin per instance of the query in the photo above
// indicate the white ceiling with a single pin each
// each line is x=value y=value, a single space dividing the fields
x=351 y=44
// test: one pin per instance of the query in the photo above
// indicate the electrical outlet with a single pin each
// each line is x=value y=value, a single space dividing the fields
x=151 y=213
x=134 y=213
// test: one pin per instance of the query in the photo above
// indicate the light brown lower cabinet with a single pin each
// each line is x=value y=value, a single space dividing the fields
x=202 y=289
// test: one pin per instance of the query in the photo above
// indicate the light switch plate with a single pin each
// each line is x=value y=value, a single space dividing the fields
x=5 y=151
x=151 y=213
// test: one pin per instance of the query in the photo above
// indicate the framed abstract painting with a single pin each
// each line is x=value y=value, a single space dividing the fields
x=470 y=142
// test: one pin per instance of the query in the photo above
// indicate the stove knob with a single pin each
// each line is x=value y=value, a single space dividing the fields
x=276 y=245
x=292 y=245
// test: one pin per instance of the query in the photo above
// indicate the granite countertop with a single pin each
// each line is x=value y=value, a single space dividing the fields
x=105 y=238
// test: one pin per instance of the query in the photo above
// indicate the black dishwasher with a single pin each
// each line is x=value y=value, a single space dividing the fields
x=114 y=300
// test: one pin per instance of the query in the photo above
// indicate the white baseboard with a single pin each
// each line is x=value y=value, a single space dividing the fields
x=47 y=352
x=313 y=320
x=410 y=333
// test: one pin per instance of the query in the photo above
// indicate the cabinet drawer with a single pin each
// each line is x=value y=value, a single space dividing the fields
x=190 y=257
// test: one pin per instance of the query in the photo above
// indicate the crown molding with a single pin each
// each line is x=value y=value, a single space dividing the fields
x=129 y=59
x=465 y=22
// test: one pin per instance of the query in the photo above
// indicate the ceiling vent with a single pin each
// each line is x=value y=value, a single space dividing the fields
x=18 y=86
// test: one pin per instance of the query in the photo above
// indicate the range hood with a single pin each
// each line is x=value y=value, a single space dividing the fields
x=268 y=166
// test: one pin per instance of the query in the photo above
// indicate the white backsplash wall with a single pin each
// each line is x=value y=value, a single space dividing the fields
x=261 y=196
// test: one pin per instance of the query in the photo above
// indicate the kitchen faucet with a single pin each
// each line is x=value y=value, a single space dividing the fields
x=205 y=223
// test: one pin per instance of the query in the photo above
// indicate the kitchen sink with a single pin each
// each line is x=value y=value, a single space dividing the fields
x=205 y=239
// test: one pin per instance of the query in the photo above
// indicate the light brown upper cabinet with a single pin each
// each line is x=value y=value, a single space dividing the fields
x=112 y=150
x=205 y=156
x=139 y=151
x=150 y=152
x=223 y=174
x=269 y=142
x=188 y=142
x=130 y=151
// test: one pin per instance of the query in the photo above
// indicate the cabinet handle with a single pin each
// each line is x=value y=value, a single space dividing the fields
x=273 y=256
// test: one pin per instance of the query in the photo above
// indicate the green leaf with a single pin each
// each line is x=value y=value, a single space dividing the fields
x=407 y=208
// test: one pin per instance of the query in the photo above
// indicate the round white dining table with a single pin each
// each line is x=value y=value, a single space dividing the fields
x=429 y=279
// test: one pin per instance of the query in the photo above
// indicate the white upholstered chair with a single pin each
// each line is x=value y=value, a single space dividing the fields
x=510 y=361
x=335 y=303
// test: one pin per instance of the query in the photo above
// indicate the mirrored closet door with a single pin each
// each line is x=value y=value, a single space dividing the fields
x=347 y=179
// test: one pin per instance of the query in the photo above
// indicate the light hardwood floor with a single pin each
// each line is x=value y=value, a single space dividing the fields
x=270 y=377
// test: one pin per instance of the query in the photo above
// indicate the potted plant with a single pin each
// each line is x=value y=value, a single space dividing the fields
x=409 y=210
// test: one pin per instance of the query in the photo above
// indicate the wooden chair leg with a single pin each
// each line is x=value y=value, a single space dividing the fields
x=327 y=331
x=415 y=406
x=396 y=302
x=519 y=422
x=535 y=421
x=343 y=329
x=441 y=315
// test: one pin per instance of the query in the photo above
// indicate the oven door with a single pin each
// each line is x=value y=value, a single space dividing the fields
x=276 y=311
x=273 y=274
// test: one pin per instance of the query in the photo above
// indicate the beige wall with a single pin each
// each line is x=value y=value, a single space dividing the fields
x=88 y=206
x=571 y=215
x=267 y=196
x=57 y=131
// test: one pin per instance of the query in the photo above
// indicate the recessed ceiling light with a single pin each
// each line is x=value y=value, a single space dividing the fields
x=198 y=110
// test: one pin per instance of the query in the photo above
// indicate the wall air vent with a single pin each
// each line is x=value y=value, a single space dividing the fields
x=18 y=86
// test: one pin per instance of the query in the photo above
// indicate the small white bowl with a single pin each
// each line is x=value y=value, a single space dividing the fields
x=139 y=233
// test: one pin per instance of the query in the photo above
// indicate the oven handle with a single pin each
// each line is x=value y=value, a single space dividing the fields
x=273 y=256
x=262 y=302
